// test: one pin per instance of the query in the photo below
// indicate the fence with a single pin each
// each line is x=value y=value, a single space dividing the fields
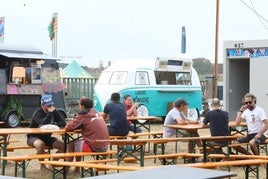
x=75 y=89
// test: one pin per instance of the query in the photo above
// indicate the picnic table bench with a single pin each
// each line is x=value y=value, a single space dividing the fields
x=245 y=163
x=21 y=160
x=90 y=166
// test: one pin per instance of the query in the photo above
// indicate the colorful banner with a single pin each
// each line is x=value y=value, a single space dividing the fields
x=247 y=52
x=2 y=24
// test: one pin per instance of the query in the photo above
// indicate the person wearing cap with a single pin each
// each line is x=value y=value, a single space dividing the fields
x=116 y=113
x=176 y=116
x=93 y=128
x=46 y=114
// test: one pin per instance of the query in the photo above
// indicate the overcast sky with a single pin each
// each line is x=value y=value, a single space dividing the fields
x=109 y=30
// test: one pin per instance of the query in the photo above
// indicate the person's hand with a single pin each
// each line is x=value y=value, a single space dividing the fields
x=50 y=108
x=136 y=105
x=243 y=108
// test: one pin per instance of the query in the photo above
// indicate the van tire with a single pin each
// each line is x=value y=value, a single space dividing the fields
x=142 y=111
x=12 y=120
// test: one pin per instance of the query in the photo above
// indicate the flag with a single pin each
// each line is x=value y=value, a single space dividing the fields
x=53 y=26
x=2 y=22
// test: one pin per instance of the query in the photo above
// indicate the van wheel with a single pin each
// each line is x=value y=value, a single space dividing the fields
x=12 y=119
x=193 y=114
x=142 y=111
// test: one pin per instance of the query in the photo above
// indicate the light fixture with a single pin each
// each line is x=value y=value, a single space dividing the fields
x=40 y=62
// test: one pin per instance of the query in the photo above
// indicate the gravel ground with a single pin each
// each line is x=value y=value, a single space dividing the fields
x=33 y=169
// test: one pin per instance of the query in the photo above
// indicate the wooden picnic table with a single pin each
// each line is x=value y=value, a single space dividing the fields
x=5 y=132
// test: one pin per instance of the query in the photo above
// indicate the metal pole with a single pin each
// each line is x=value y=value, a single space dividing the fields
x=216 y=51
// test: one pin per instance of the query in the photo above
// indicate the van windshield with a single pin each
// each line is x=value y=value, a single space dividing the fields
x=104 y=77
x=118 y=78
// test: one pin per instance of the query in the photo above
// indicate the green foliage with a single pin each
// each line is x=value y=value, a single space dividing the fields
x=203 y=66
x=13 y=103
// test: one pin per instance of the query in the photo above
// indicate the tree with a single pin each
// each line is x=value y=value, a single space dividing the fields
x=203 y=66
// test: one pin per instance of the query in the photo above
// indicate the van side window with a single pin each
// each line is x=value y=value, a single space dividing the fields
x=141 y=78
x=118 y=78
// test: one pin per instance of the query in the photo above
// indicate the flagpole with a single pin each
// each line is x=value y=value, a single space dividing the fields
x=215 y=89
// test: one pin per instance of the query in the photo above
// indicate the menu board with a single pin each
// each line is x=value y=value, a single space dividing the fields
x=3 y=82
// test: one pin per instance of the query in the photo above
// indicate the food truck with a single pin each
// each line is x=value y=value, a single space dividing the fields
x=25 y=74
x=245 y=68
x=153 y=83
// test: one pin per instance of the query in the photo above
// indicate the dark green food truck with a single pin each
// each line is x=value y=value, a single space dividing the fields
x=25 y=74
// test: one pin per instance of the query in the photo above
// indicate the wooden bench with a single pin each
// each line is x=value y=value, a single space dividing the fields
x=155 y=134
x=165 y=159
x=17 y=147
x=9 y=142
x=21 y=161
x=261 y=146
x=245 y=163
x=90 y=166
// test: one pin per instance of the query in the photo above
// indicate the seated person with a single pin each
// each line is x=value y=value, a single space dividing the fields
x=176 y=116
x=257 y=124
x=131 y=111
x=92 y=127
x=46 y=114
x=115 y=111
x=218 y=121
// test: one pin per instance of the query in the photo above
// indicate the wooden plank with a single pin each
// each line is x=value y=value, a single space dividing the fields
x=56 y=155
x=227 y=163
x=91 y=165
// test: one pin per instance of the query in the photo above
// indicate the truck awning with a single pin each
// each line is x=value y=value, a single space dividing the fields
x=27 y=55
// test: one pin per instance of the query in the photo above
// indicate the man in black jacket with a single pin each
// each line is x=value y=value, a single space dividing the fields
x=46 y=114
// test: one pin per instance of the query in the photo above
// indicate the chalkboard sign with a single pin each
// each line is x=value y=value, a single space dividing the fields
x=3 y=82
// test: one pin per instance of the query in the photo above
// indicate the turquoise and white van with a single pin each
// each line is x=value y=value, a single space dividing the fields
x=153 y=83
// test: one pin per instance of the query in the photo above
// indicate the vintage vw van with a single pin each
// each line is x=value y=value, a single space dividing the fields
x=154 y=83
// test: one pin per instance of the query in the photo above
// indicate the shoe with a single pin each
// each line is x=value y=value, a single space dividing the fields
x=120 y=154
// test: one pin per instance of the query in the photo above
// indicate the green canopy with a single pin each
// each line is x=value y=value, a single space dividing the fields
x=74 y=70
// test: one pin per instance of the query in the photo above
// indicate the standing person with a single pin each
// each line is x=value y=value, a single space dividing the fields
x=46 y=114
x=218 y=121
x=92 y=126
x=257 y=124
x=176 y=116
x=116 y=113
x=131 y=110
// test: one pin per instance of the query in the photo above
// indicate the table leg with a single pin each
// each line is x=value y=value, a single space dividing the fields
x=204 y=151
x=66 y=140
x=142 y=156
x=4 y=148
